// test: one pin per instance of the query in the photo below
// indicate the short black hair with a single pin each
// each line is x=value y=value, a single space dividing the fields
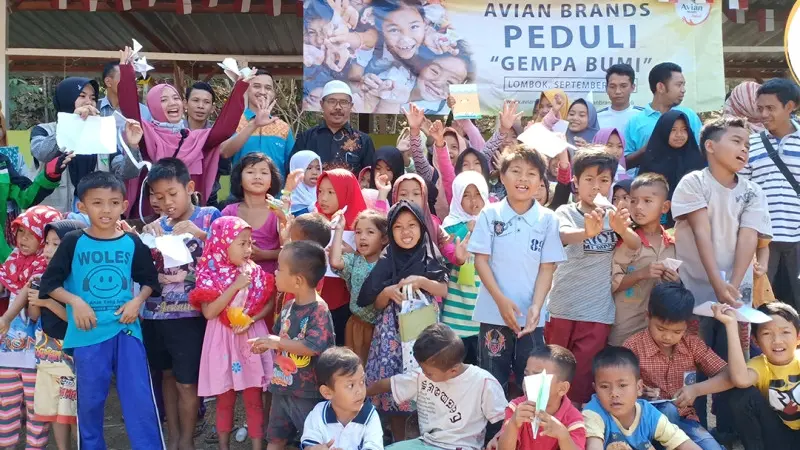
x=519 y=152
x=263 y=72
x=307 y=260
x=786 y=90
x=593 y=157
x=251 y=159
x=166 y=169
x=201 y=86
x=335 y=362
x=563 y=359
x=109 y=68
x=651 y=179
x=439 y=346
x=671 y=302
x=715 y=129
x=661 y=73
x=612 y=356
x=621 y=69
x=780 y=309
x=99 y=180
x=315 y=228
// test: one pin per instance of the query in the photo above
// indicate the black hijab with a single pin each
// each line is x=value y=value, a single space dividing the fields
x=673 y=163
x=66 y=93
x=481 y=159
x=394 y=159
x=397 y=263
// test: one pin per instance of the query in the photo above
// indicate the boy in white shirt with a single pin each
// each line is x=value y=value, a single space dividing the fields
x=454 y=400
x=344 y=420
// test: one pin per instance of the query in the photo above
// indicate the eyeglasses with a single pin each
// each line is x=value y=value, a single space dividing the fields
x=332 y=102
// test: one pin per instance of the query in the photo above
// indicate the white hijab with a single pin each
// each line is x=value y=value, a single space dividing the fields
x=460 y=184
x=303 y=196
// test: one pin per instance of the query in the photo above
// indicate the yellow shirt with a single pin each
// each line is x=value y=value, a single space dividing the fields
x=781 y=387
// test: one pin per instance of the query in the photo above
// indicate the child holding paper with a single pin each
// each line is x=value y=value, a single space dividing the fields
x=635 y=272
x=473 y=396
x=717 y=266
x=560 y=423
x=580 y=318
x=670 y=360
x=173 y=330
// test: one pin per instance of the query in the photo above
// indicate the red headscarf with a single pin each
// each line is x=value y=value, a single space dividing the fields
x=348 y=193
x=216 y=272
x=19 y=268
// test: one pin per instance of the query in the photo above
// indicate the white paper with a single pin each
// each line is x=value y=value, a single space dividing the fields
x=561 y=126
x=172 y=247
x=590 y=97
x=656 y=402
x=93 y=136
x=537 y=389
x=339 y=218
x=349 y=238
x=601 y=201
x=544 y=141
x=141 y=66
x=743 y=314
x=672 y=264
x=137 y=47
x=229 y=64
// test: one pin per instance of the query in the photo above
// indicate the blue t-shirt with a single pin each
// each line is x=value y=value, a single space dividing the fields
x=648 y=426
x=102 y=273
x=275 y=140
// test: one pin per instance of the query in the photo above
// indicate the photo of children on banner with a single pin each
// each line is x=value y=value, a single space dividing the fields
x=391 y=53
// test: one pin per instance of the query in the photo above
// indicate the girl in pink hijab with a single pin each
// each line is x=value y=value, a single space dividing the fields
x=167 y=135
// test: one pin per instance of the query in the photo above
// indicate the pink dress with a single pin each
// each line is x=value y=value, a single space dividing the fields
x=227 y=362
x=265 y=238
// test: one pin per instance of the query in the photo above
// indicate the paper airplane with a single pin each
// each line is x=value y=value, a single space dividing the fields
x=172 y=247
x=601 y=201
x=743 y=314
x=94 y=135
x=537 y=389
x=544 y=141
x=231 y=67
x=137 y=47
x=672 y=264
x=141 y=66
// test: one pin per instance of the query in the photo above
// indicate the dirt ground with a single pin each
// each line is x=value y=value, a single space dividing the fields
x=117 y=438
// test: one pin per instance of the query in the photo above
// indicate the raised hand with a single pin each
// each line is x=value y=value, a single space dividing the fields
x=382 y=184
x=133 y=132
x=437 y=133
x=461 y=248
x=509 y=115
x=126 y=56
x=593 y=222
x=415 y=116
x=264 y=113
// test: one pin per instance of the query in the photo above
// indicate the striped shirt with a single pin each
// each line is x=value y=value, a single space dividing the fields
x=783 y=202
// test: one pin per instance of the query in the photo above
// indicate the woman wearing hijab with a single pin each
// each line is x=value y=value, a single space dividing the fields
x=546 y=102
x=614 y=142
x=742 y=103
x=583 y=124
x=410 y=253
x=388 y=161
x=672 y=152
x=167 y=134
x=79 y=96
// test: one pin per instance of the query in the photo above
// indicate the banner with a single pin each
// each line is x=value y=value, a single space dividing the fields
x=392 y=52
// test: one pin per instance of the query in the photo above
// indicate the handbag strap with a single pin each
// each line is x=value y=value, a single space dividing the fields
x=773 y=154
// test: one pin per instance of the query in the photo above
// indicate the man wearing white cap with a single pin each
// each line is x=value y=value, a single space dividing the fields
x=335 y=140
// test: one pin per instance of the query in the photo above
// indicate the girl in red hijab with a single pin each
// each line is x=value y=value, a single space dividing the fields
x=337 y=189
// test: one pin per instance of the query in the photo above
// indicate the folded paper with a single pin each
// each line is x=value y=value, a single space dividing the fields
x=561 y=126
x=601 y=201
x=94 y=135
x=537 y=389
x=544 y=141
x=172 y=247
x=468 y=105
x=672 y=264
x=743 y=314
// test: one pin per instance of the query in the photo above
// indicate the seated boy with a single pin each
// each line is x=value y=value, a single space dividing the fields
x=93 y=272
x=303 y=331
x=717 y=266
x=616 y=419
x=768 y=401
x=670 y=359
x=454 y=400
x=581 y=318
x=635 y=272
x=561 y=424
x=345 y=420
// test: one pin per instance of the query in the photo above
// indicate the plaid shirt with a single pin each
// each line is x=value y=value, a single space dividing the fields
x=670 y=374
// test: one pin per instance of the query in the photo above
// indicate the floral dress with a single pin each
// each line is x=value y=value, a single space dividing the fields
x=386 y=358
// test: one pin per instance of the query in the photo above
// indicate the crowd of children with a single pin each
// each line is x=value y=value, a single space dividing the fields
x=337 y=311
